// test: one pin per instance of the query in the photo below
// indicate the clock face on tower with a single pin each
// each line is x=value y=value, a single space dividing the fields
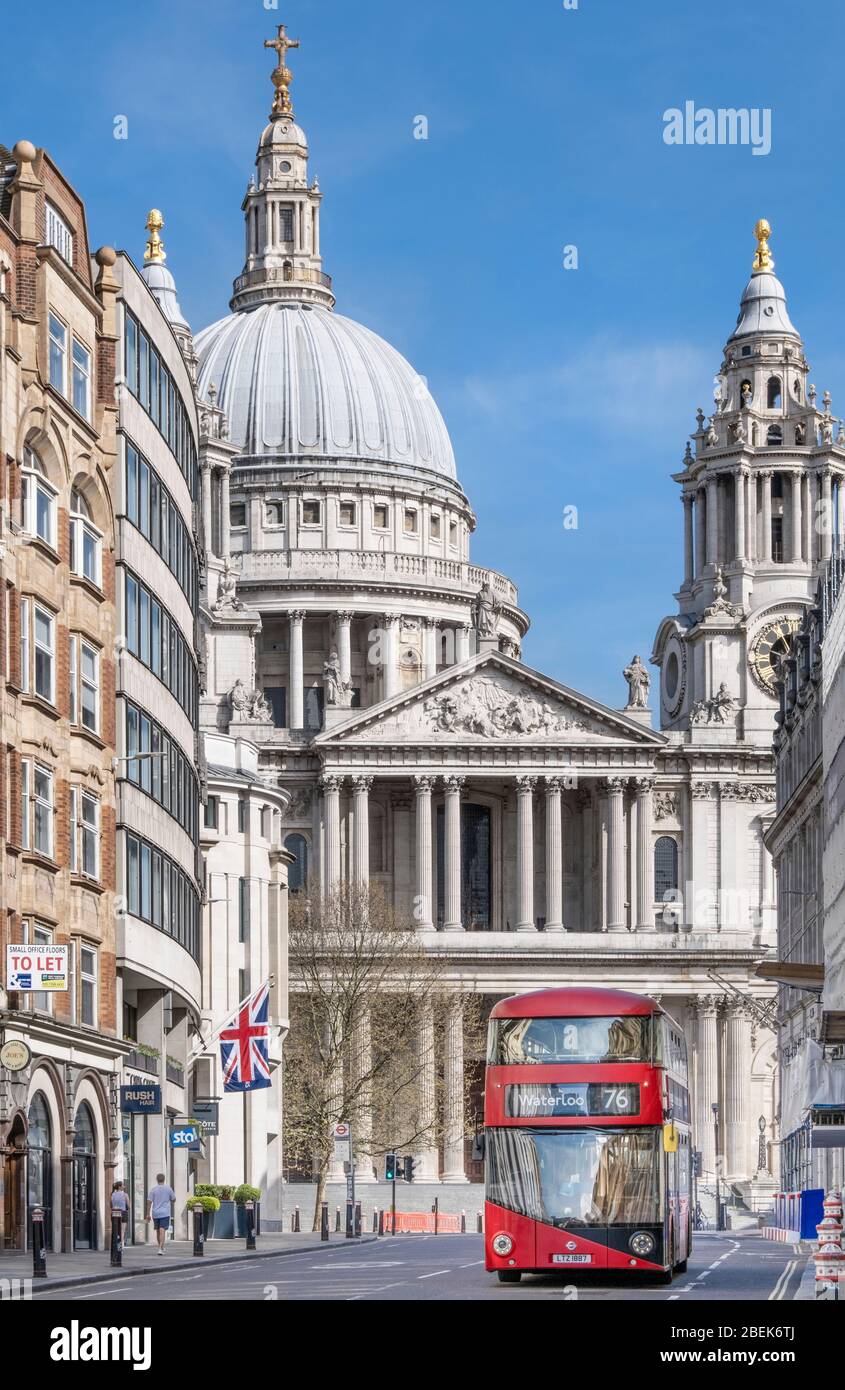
x=767 y=649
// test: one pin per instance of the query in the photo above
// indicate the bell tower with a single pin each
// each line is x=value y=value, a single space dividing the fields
x=281 y=209
x=763 y=495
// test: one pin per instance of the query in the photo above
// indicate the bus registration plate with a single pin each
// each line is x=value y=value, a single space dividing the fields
x=572 y=1259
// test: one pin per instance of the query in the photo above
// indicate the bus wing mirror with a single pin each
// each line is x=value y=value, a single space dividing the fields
x=670 y=1138
x=478 y=1148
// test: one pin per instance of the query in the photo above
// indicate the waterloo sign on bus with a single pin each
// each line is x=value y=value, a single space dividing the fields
x=36 y=967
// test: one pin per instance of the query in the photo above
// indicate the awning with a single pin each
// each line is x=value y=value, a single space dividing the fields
x=808 y=977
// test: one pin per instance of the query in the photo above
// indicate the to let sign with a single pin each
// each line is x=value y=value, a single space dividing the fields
x=36 y=968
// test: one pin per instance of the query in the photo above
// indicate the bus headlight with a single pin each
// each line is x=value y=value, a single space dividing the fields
x=502 y=1244
x=642 y=1243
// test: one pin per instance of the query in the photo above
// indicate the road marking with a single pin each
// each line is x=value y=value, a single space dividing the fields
x=673 y=1296
x=364 y=1264
x=716 y=1263
x=471 y=1265
x=434 y=1273
x=780 y=1287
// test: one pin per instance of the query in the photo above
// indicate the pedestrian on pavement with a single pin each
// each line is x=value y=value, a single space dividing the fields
x=160 y=1209
x=120 y=1201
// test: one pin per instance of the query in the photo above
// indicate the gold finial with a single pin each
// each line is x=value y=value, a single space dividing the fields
x=154 y=254
x=763 y=259
x=281 y=76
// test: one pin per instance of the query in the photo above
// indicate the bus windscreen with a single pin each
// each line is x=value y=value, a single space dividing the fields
x=517 y=1041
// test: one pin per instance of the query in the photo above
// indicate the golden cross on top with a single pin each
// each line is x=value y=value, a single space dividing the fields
x=281 y=76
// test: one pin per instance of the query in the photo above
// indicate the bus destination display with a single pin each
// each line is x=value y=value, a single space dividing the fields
x=562 y=1098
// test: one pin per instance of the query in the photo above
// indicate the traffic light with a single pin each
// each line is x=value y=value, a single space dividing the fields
x=390 y=1173
x=409 y=1165
x=697 y=1165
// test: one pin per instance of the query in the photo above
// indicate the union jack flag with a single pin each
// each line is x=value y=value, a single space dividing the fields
x=244 y=1044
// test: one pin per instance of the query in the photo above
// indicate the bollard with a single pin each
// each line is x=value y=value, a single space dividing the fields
x=249 y=1210
x=435 y=1208
x=381 y=1222
x=199 y=1231
x=337 y=1218
x=116 y=1238
x=463 y=1222
x=478 y=1225
x=357 y=1219
x=39 y=1250
x=296 y=1226
x=375 y=1221
x=324 y=1221
x=350 y=1219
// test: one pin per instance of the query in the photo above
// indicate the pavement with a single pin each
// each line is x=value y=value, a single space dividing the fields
x=85 y=1267
x=723 y=1267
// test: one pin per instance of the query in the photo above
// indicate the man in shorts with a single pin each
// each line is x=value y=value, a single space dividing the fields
x=160 y=1209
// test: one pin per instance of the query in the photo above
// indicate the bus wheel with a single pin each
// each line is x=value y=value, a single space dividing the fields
x=665 y=1276
x=681 y=1268
x=509 y=1276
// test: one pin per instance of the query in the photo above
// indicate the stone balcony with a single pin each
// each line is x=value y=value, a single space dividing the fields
x=372 y=567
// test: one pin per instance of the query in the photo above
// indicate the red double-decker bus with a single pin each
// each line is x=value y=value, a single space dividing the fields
x=587 y=1136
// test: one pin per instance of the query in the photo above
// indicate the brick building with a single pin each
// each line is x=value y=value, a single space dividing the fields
x=58 y=1095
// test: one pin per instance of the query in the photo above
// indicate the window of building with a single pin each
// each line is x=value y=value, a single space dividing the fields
x=237 y=515
x=434 y=526
x=58 y=354
x=38 y=500
x=211 y=813
x=37 y=808
x=38 y=650
x=81 y=379
x=151 y=383
x=774 y=435
x=35 y=934
x=773 y=393
x=150 y=507
x=84 y=684
x=314 y=698
x=347 y=513
x=242 y=815
x=84 y=833
x=312 y=512
x=276 y=697
x=380 y=516
x=85 y=540
x=58 y=233
x=665 y=868
x=88 y=985
x=285 y=211
x=410 y=521
x=243 y=909
x=274 y=514
x=453 y=533
x=297 y=845
x=777 y=540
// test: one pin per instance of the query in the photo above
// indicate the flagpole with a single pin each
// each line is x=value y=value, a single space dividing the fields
x=206 y=1044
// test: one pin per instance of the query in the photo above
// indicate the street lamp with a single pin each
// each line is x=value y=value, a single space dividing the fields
x=762 y=1165
x=715 y=1108
x=135 y=758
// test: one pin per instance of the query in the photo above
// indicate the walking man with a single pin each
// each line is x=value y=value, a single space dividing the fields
x=160 y=1209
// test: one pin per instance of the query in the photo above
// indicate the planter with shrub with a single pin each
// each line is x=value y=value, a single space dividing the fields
x=209 y=1204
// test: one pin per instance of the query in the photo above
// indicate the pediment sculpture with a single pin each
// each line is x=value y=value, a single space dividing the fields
x=485 y=709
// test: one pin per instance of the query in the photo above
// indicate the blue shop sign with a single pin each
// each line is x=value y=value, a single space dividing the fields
x=184 y=1137
x=140 y=1099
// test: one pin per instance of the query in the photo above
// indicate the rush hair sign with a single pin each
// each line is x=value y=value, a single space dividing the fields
x=36 y=968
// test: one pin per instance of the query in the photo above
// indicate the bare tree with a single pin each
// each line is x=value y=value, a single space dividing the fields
x=367 y=1001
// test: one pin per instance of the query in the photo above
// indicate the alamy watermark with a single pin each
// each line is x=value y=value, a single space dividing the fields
x=726 y=125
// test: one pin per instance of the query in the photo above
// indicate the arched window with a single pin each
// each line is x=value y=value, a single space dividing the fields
x=773 y=393
x=796 y=389
x=665 y=868
x=297 y=845
x=86 y=540
x=38 y=500
x=774 y=435
x=40 y=1177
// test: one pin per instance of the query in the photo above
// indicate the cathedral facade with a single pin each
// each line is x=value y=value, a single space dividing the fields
x=536 y=837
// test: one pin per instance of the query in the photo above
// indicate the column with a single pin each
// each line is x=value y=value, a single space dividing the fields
x=452 y=920
x=361 y=830
x=224 y=513
x=344 y=645
x=453 y=1093
x=205 y=469
x=554 y=856
x=462 y=650
x=826 y=517
x=390 y=656
x=751 y=513
x=428 y=1159
x=739 y=516
x=712 y=522
x=700 y=531
x=706 y=1053
x=525 y=852
x=331 y=786
x=840 y=510
x=795 y=481
x=296 y=675
x=588 y=903
x=766 y=548
x=737 y=1078
x=423 y=907
x=616 y=854
x=687 y=499
x=645 y=857
x=429 y=648
x=362 y=1117
x=603 y=861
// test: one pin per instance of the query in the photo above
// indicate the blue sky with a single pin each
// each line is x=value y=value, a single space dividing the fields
x=559 y=387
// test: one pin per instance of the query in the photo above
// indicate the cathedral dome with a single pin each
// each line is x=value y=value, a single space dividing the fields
x=299 y=380
x=763 y=308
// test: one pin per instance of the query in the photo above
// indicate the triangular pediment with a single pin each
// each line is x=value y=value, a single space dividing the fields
x=490 y=699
